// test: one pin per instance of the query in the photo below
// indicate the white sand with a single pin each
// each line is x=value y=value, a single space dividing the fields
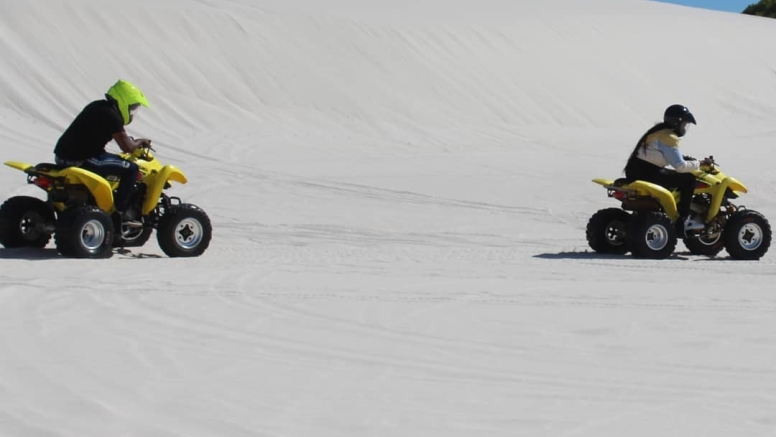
x=399 y=191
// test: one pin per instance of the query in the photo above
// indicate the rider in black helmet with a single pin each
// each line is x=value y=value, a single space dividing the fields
x=677 y=117
x=657 y=149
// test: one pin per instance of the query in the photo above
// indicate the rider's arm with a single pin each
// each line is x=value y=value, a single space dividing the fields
x=674 y=157
x=126 y=143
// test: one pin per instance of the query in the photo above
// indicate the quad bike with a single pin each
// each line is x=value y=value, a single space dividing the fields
x=80 y=214
x=644 y=224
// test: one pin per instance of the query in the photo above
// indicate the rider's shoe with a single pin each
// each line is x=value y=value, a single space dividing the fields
x=693 y=224
x=685 y=224
x=129 y=218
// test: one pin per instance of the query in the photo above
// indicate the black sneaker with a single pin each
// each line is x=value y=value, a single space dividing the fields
x=693 y=224
x=129 y=219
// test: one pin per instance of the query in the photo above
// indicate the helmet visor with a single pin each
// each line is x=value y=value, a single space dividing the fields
x=681 y=129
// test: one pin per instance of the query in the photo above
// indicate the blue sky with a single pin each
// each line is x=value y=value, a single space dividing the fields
x=721 y=5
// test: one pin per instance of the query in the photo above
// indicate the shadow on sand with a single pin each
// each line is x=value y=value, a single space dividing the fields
x=126 y=253
x=685 y=255
x=601 y=256
x=29 y=253
x=35 y=254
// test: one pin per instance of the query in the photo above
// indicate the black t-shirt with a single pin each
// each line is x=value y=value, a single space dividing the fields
x=91 y=130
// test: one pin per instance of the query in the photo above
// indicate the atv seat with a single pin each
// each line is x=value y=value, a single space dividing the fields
x=45 y=166
x=620 y=182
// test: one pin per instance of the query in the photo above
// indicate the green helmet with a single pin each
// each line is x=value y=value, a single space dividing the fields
x=128 y=97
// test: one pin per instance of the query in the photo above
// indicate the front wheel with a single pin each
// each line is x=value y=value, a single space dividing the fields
x=747 y=235
x=652 y=235
x=24 y=222
x=184 y=231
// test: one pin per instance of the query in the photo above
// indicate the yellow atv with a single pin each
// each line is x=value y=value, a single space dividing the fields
x=644 y=224
x=79 y=212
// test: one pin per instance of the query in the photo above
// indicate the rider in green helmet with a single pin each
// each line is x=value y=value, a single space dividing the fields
x=83 y=142
x=128 y=98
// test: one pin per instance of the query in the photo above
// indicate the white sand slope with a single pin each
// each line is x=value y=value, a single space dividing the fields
x=399 y=191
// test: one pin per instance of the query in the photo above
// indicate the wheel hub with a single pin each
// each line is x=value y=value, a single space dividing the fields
x=750 y=237
x=92 y=235
x=615 y=233
x=188 y=233
x=30 y=225
x=656 y=237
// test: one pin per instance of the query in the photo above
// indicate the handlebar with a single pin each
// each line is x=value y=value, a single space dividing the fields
x=711 y=167
x=145 y=152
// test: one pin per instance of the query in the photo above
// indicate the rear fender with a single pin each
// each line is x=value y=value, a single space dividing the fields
x=642 y=188
x=155 y=184
x=97 y=185
x=23 y=166
x=665 y=197
x=603 y=182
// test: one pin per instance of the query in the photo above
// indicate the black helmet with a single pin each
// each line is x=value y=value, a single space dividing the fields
x=675 y=115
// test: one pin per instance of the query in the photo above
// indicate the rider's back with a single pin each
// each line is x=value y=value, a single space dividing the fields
x=91 y=130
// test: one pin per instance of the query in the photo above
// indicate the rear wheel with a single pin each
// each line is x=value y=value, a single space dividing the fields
x=607 y=231
x=25 y=222
x=747 y=235
x=85 y=232
x=184 y=231
x=706 y=245
x=652 y=235
x=133 y=238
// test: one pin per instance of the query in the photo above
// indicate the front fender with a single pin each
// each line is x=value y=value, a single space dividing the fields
x=736 y=185
x=719 y=195
x=155 y=184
